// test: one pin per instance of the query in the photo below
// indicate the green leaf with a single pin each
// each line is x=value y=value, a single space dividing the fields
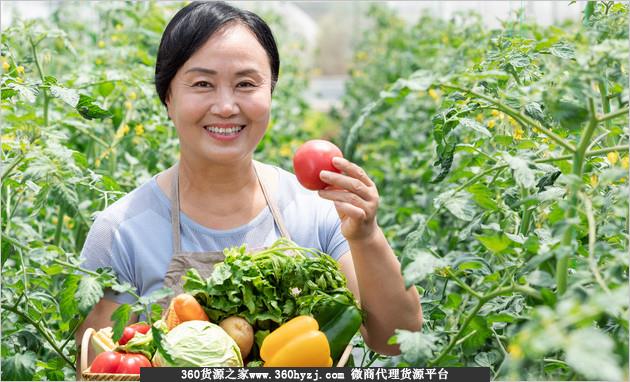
x=67 y=302
x=416 y=347
x=500 y=317
x=89 y=293
x=106 y=88
x=494 y=243
x=155 y=296
x=562 y=50
x=121 y=316
x=89 y=110
x=478 y=339
x=69 y=96
x=123 y=288
x=483 y=196
x=19 y=367
x=534 y=110
x=486 y=359
x=548 y=180
x=459 y=204
x=27 y=93
x=520 y=168
x=421 y=266
x=591 y=353
x=519 y=60
x=471 y=124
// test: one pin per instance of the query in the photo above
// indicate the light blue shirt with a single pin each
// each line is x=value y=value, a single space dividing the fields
x=133 y=236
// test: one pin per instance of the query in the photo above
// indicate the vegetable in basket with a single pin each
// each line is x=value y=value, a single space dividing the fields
x=297 y=343
x=270 y=287
x=119 y=363
x=196 y=344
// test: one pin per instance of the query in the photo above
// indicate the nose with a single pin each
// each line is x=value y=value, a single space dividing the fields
x=225 y=104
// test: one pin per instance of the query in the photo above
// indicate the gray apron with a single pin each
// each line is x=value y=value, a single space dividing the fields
x=204 y=261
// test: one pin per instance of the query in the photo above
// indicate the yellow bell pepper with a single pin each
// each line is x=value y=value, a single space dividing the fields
x=296 y=343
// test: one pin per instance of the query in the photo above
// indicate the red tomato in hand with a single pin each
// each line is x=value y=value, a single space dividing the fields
x=131 y=363
x=311 y=158
x=106 y=362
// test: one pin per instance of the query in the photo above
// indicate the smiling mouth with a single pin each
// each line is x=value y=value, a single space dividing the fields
x=226 y=131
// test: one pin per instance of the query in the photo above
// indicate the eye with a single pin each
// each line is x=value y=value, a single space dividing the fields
x=202 y=84
x=246 y=84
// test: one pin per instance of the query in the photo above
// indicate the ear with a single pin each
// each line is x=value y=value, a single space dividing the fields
x=167 y=101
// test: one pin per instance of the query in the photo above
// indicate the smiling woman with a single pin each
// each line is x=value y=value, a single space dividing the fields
x=216 y=70
x=220 y=99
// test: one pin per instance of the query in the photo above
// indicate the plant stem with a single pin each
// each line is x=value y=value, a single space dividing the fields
x=586 y=154
x=482 y=301
x=592 y=237
x=613 y=115
x=59 y=228
x=11 y=166
x=454 y=339
x=526 y=214
x=562 y=266
x=462 y=284
x=41 y=330
x=88 y=133
x=74 y=330
x=516 y=115
x=41 y=76
x=605 y=107
x=72 y=266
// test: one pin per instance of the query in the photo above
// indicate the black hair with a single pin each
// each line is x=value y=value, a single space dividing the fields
x=193 y=25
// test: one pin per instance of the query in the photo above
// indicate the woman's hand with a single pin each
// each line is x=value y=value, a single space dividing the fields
x=356 y=199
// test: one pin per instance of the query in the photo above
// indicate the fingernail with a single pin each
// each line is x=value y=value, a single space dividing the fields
x=337 y=160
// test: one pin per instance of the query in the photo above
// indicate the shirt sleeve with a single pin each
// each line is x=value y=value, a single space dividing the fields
x=103 y=248
x=334 y=243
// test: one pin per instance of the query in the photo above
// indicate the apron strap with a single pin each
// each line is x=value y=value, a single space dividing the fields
x=177 y=245
x=271 y=202
x=175 y=207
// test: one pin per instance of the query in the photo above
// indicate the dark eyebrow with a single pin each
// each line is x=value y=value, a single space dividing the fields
x=243 y=72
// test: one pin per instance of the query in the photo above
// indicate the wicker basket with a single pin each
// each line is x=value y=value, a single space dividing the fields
x=344 y=356
x=89 y=376
x=85 y=370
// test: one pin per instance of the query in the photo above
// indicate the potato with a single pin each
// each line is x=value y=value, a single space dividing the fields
x=241 y=332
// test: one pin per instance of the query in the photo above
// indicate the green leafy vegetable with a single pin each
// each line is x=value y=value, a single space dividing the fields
x=269 y=287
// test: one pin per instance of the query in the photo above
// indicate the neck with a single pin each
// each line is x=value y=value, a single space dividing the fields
x=216 y=181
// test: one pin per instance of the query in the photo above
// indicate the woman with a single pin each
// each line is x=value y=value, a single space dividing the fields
x=215 y=73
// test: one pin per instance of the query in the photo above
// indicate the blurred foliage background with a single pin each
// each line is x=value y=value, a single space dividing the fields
x=500 y=155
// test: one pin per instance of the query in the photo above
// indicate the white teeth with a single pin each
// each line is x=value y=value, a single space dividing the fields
x=227 y=131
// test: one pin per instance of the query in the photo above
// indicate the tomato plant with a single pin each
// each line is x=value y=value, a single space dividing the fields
x=502 y=187
x=82 y=126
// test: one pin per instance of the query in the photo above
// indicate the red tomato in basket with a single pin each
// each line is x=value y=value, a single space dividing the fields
x=106 y=362
x=311 y=158
x=131 y=330
x=131 y=363
x=119 y=363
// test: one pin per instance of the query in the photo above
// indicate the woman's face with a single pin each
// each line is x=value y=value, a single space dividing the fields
x=220 y=99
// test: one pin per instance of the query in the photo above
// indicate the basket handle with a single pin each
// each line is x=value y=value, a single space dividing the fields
x=344 y=356
x=85 y=349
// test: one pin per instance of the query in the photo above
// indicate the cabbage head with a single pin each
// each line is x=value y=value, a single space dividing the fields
x=197 y=344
